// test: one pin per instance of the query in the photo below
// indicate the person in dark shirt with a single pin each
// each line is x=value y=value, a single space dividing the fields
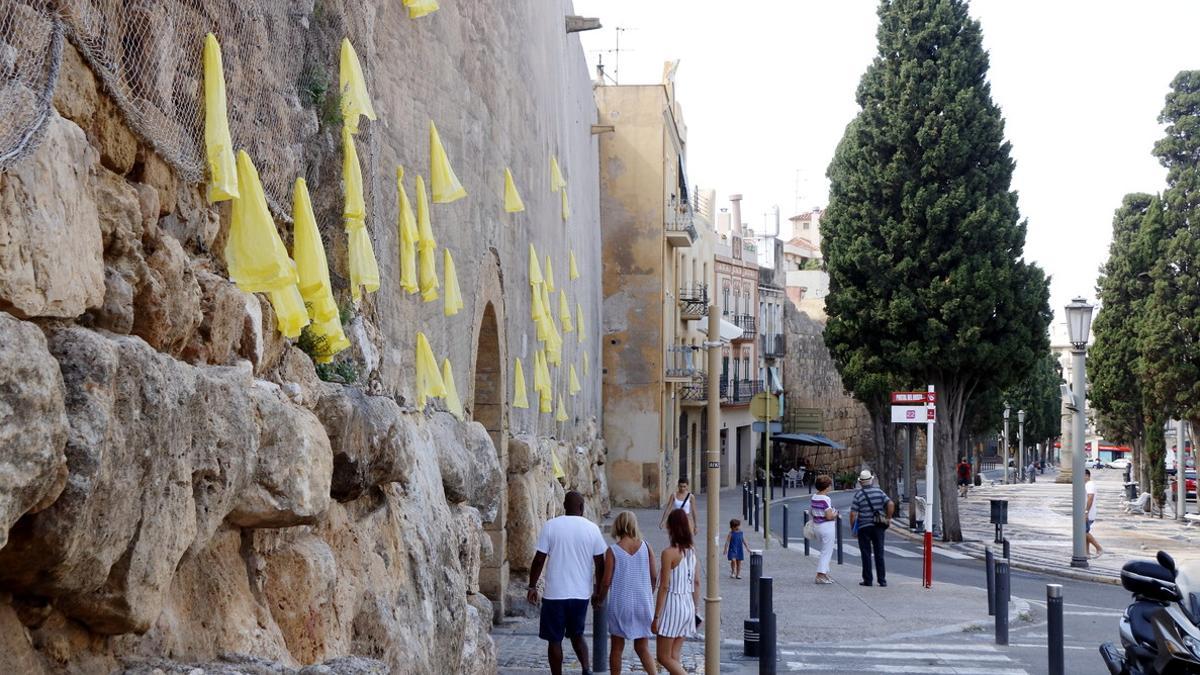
x=870 y=513
x=964 y=476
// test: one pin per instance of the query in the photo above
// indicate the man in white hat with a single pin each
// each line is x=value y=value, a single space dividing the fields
x=870 y=515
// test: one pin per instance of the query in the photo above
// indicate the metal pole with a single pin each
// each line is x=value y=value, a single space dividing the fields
x=766 y=622
x=1002 y=602
x=932 y=519
x=1180 y=471
x=1006 y=550
x=1021 y=443
x=769 y=491
x=599 y=635
x=712 y=595
x=910 y=488
x=839 y=538
x=756 y=568
x=745 y=503
x=989 y=563
x=806 y=538
x=1054 y=627
x=1078 y=498
x=785 y=531
x=757 y=512
x=1006 y=445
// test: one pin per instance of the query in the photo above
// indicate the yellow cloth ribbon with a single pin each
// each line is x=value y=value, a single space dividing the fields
x=426 y=246
x=554 y=343
x=556 y=178
x=520 y=398
x=364 y=271
x=549 y=275
x=512 y=198
x=558 y=472
x=561 y=415
x=313 y=269
x=573 y=272
x=353 y=87
x=254 y=253
x=429 y=380
x=573 y=382
x=442 y=181
x=586 y=366
x=419 y=8
x=535 y=270
x=536 y=309
x=407 y=227
x=453 y=403
x=454 y=301
x=566 y=209
x=222 y=167
x=579 y=323
x=290 y=317
x=564 y=312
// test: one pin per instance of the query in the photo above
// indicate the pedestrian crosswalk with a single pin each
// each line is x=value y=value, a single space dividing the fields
x=960 y=658
x=902 y=551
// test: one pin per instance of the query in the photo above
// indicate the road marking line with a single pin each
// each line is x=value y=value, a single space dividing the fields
x=903 y=553
x=1033 y=645
x=896 y=647
x=953 y=555
x=913 y=655
x=1109 y=613
x=893 y=668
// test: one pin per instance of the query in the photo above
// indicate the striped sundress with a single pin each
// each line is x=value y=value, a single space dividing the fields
x=631 y=597
x=679 y=612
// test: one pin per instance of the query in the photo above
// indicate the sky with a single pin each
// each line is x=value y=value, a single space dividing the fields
x=767 y=88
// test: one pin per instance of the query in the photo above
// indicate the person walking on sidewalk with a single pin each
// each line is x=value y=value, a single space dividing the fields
x=964 y=476
x=568 y=542
x=735 y=548
x=870 y=515
x=682 y=499
x=1089 y=511
x=678 y=594
x=629 y=579
x=824 y=518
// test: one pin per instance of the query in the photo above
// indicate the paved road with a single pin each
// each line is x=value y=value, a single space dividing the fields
x=1091 y=613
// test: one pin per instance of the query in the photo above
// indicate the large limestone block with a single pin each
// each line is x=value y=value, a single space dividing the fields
x=51 y=253
x=17 y=653
x=468 y=462
x=33 y=423
x=532 y=500
x=222 y=306
x=522 y=453
x=167 y=307
x=373 y=441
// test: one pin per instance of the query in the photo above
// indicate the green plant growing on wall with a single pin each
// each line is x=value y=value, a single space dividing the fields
x=318 y=92
x=341 y=371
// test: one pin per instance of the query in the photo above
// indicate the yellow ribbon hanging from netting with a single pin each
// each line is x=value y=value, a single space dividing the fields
x=586 y=366
x=313 y=269
x=290 y=317
x=554 y=343
x=548 y=275
x=541 y=374
x=364 y=271
x=537 y=310
x=579 y=331
x=429 y=380
x=442 y=181
x=426 y=247
x=406 y=226
x=520 y=398
x=222 y=167
x=535 y=270
x=419 y=8
x=453 y=403
x=573 y=272
x=512 y=198
x=558 y=472
x=561 y=415
x=566 y=209
x=545 y=403
x=353 y=88
x=573 y=382
x=454 y=301
x=556 y=178
x=564 y=312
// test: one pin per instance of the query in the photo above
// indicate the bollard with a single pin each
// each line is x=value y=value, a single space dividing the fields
x=1006 y=555
x=839 y=538
x=806 y=538
x=766 y=621
x=1054 y=627
x=1002 y=601
x=989 y=563
x=750 y=638
x=758 y=504
x=599 y=633
x=785 y=532
x=756 y=570
x=745 y=503
x=783 y=485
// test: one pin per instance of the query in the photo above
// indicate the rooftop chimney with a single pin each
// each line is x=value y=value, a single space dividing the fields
x=736 y=203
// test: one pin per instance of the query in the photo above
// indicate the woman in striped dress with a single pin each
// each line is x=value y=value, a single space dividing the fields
x=629 y=578
x=678 y=588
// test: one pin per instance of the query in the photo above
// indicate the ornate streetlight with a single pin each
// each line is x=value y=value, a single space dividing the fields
x=1079 y=324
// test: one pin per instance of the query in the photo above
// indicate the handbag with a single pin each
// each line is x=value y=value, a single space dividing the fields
x=810 y=530
x=880 y=520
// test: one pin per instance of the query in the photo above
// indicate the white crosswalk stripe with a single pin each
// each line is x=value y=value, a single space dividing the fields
x=947 y=553
x=958 y=659
x=902 y=552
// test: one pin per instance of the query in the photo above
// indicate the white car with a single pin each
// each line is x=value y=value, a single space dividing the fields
x=1121 y=463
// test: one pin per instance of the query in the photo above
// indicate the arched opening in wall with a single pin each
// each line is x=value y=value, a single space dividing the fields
x=487 y=408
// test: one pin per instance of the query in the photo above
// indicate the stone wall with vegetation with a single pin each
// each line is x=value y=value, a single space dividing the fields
x=179 y=485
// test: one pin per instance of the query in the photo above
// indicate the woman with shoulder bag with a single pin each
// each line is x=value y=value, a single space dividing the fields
x=823 y=526
x=870 y=515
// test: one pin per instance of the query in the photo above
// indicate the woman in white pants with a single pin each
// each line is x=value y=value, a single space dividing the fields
x=824 y=518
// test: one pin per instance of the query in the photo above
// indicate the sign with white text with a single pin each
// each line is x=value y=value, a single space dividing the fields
x=913 y=414
x=913 y=397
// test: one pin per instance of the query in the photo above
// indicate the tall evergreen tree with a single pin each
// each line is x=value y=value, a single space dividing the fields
x=922 y=238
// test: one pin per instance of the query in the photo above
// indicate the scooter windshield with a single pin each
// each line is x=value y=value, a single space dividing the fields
x=1187 y=579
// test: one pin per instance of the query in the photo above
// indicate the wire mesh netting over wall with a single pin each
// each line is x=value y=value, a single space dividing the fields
x=282 y=77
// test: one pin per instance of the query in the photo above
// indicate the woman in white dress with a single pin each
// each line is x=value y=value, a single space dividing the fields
x=629 y=579
x=824 y=518
x=682 y=499
x=678 y=594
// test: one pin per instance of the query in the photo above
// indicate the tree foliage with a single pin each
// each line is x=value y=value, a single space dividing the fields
x=923 y=239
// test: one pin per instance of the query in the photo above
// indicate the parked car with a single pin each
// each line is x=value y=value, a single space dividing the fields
x=1120 y=463
x=1191 y=484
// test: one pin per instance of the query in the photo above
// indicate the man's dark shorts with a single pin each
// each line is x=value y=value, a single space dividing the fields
x=964 y=481
x=562 y=618
x=1089 y=526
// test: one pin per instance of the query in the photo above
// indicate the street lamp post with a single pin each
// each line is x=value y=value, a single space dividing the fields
x=1021 y=442
x=1079 y=324
x=1006 y=409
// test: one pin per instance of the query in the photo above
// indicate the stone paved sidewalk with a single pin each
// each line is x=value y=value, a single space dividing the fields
x=1039 y=527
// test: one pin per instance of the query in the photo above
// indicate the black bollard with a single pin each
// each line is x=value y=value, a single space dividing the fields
x=989 y=563
x=745 y=503
x=766 y=622
x=599 y=634
x=758 y=513
x=1002 y=601
x=839 y=538
x=785 y=532
x=750 y=636
x=805 y=538
x=756 y=570
x=1054 y=627
x=1006 y=551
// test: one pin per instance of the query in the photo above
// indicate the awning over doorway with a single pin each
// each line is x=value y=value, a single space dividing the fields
x=808 y=439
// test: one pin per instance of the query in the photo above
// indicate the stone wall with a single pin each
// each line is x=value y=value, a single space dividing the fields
x=179 y=487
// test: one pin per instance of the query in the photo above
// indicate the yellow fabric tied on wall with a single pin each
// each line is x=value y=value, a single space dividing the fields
x=556 y=178
x=564 y=312
x=364 y=271
x=313 y=268
x=549 y=315
x=566 y=209
x=554 y=343
x=536 y=309
x=512 y=198
x=535 y=270
x=545 y=403
x=419 y=8
x=453 y=402
x=352 y=86
x=520 y=398
x=586 y=366
x=541 y=373
x=222 y=167
x=429 y=380
x=549 y=276
x=561 y=415
x=573 y=382
x=445 y=185
x=573 y=272
x=454 y=301
x=407 y=228
x=426 y=247
x=290 y=316
x=579 y=322
x=558 y=472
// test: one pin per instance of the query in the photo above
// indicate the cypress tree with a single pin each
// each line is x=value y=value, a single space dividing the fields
x=923 y=239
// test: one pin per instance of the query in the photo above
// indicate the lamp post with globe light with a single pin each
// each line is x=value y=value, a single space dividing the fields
x=1079 y=324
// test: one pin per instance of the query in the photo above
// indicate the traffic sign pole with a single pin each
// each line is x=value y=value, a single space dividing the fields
x=765 y=407
x=931 y=518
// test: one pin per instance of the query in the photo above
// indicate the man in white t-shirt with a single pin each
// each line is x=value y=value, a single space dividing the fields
x=575 y=549
x=1089 y=511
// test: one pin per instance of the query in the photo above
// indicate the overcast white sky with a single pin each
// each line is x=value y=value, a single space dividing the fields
x=768 y=87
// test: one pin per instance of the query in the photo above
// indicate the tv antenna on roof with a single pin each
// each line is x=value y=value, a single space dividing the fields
x=616 y=52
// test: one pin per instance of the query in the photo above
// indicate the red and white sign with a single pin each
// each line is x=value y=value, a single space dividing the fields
x=910 y=397
x=913 y=414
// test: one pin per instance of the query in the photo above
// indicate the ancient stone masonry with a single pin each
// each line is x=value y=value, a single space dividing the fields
x=180 y=486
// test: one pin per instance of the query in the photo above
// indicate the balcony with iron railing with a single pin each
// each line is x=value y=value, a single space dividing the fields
x=747 y=323
x=695 y=392
x=683 y=363
x=693 y=302
x=772 y=346
x=739 y=392
x=679 y=224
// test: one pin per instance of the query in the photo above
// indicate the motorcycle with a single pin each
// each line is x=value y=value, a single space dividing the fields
x=1160 y=630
